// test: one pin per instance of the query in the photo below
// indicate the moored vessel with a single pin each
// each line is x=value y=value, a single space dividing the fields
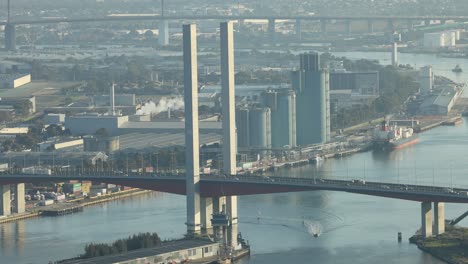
x=389 y=137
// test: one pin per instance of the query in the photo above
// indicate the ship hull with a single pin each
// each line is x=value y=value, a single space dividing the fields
x=386 y=145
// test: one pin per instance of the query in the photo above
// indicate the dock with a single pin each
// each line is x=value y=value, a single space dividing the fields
x=62 y=209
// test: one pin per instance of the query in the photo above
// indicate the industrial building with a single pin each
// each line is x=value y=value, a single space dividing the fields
x=260 y=128
x=55 y=119
x=435 y=40
x=426 y=80
x=60 y=144
x=361 y=83
x=99 y=143
x=282 y=104
x=311 y=84
x=440 y=103
x=183 y=251
x=14 y=80
x=243 y=127
x=120 y=100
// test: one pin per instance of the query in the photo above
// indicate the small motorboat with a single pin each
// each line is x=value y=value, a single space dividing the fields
x=457 y=69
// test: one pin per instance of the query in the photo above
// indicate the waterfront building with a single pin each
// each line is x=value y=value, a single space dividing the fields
x=282 y=104
x=311 y=84
x=260 y=128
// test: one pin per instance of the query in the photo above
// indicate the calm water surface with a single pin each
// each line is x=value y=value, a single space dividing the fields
x=355 y=228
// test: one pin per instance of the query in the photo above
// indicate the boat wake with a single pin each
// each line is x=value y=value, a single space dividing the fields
x=313 y=228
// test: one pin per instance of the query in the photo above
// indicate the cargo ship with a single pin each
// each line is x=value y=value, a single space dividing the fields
x=390 y=137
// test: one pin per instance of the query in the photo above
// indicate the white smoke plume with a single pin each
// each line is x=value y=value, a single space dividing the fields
x=150 y=108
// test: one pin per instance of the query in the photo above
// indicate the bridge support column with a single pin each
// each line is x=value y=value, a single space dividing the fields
x=192 y=145
x=229 y=114
x=439 y=218
x=298 y=28
x=426 y=219
x=19 y=202
x=10 y=37
x=163 y=38
x=206 y=212
x=5 y=200
x=271 y=30
x=348 y=27
x=370 y=26
x=323 y=26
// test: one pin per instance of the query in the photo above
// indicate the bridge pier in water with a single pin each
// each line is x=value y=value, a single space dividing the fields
x=426 y=219
x=439 y=218
x=5 y=197
x=163 y=38
x=10 y=37
x=427 y=227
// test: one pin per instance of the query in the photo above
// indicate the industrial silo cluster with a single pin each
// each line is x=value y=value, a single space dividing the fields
x=286 y=118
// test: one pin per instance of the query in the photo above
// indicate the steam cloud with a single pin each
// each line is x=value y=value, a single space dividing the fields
x=150 y=108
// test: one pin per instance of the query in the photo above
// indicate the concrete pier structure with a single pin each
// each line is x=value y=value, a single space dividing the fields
x=5 y=200
x=19 y=202
x=426 y=219
x=206 y=205
x=192 y=144
x=439 y=218
x=229 y=117
x=163 y=38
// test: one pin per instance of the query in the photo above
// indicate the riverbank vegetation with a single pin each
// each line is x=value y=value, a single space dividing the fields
x=141 y=240
x=451 y=247
x=396 y=85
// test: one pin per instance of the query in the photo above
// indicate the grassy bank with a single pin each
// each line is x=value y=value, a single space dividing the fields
x=451 y=247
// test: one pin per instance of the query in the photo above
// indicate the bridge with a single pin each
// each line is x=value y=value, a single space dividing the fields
x=211 y=186
x=10 y=36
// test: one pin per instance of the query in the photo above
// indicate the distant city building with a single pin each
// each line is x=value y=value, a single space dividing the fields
x=311 y=84
x=282 y=104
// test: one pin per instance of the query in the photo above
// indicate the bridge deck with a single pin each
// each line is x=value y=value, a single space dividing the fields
x=215 y=186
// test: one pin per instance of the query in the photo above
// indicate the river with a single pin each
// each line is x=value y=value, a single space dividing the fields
x=354 y=228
